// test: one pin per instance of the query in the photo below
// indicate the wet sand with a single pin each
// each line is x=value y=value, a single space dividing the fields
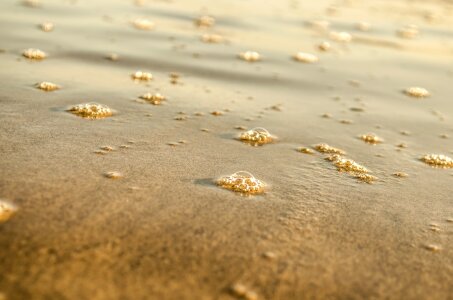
x=164 y=230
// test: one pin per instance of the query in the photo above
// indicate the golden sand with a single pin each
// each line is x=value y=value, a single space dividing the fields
x=167 y=229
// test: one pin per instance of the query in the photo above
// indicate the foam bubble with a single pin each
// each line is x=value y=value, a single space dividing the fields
x=438 y=160
x=91 y=110
x=36 y=54
x=242 y=182
x=305 y=57
x=47 y=86
x=7 y=210
x=257 y=136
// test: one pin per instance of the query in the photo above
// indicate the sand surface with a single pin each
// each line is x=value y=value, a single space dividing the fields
x=165 y=230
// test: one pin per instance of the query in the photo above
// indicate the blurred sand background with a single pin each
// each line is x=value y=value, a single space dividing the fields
x=165 y=231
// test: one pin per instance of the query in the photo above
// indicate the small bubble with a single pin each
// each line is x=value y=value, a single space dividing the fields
x=144 y=76
x=417 y=92
x=155 y=99
x=347 y=122
x=342 y=37
x=7 y=210
x=240 y=290
x=100 y=152
x=400 y=174
x=107 y=148
x=91 y=111
x=324 y=148
x=32 y=3
x=324 y=46
x=205 y=130
x=438 y=160
x=180 y=118
x=34 y=54
x=321 y=25
x=47 y=86
x=113 y=175
x=212 y=38
x=326 y=115
x=371 y=138
x=405 y=132
x=402 y=145
x=432 y=247
x=257 y=136
x=242 y=182
x=444 y=136
x=143 y=24
x=305 y=57
x=305 y=150
x=205 y=21
x=217 y=113
x=269 y=255
x=450 y=220
x=363 y=26
x=408 y=31
x=46 y=26
x=113 y=57
x=124 y=146
x=250 y=56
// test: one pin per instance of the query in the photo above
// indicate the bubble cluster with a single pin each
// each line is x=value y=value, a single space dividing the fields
x=143 y=24
x=7 y=210
x=324 y=148
x=154 y=99
x=371 y=138
x=144 y=76
x=417 y=92
x=438 y=160
x=91 y=110
x=347 y=165
x=36 y=54
x=242 y=182
x=47 y=86
x=257 y=136
x=250 y=56
x=205 y=21
x=305 y=57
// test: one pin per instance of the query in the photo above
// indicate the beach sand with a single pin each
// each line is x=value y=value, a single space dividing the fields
x=164 y=230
